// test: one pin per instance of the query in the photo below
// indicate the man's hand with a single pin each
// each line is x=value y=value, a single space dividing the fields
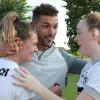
x=6 y=50
x=56 y=88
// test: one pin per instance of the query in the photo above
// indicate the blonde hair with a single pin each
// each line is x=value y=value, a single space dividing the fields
x=93 y=20
x=11 y=27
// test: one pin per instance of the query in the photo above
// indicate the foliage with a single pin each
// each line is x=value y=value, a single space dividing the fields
x=20 y=6
x=77 y=53
x=75 y=9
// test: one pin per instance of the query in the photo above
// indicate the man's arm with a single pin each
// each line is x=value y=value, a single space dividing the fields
x=74 y=64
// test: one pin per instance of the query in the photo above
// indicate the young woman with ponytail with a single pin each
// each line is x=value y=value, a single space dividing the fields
x=12 y=29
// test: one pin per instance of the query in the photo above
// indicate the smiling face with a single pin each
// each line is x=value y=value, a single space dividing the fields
x=29 y=46
x=46 y=29
x=88 y=35
x=83 y=38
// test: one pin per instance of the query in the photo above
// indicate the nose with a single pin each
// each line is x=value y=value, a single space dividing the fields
x=35 y=49
x=51 y=31
x=75 y=39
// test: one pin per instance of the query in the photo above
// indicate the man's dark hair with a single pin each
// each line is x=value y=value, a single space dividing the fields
x=44 y=9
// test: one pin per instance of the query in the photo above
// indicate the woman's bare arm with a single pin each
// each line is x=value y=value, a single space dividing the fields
x=29 y=82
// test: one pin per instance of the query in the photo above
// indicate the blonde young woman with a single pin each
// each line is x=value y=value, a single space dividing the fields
x=12 y=30
x=88 y=39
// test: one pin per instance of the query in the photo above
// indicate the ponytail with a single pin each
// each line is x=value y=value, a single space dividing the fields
x=7 y=29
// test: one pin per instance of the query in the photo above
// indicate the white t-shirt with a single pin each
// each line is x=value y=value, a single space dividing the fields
x=90 y=78
x=83 y=76
x=7 y=90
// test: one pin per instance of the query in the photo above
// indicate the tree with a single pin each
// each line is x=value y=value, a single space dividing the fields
x=20 y=6
x=75 y=9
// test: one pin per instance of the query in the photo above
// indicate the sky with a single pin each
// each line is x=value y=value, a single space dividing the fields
x=60 y=38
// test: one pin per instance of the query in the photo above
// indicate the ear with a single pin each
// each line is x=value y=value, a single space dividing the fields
x=98 y=41
x=95 y=33
x=19 y=43
x=33 y=24
x=17 y=39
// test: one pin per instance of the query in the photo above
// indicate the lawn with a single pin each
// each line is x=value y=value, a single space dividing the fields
x=69 y=92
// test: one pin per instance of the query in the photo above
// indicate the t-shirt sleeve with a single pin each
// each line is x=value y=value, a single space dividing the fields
x=23 y=94
x=93 y=83
x=94 y=78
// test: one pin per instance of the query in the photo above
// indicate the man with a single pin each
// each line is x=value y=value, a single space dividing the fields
x=50 y=65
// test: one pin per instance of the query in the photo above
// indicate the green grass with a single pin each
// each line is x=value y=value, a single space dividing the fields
x=69 y=92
